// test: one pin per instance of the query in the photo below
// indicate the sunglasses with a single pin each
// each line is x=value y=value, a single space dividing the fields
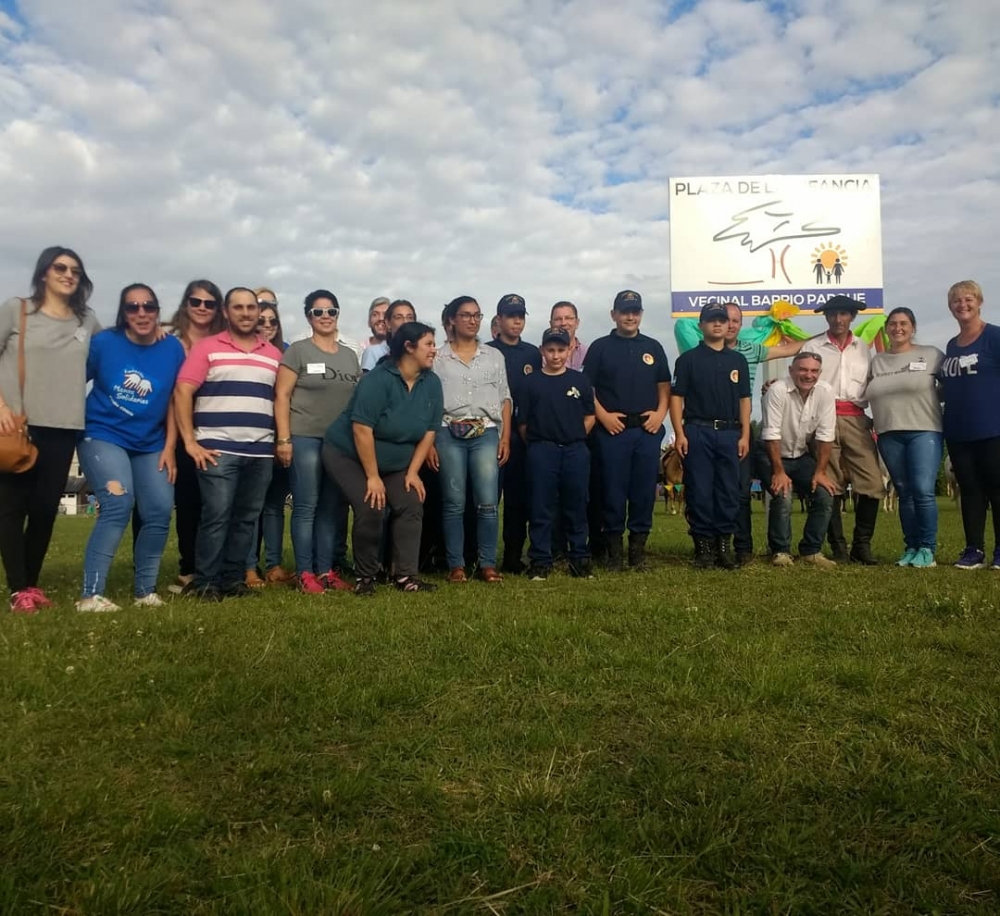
x=60 y=268
x=133 y=308
x=267 y=303
x=194 y=302
x=319 y=313
x=267 y=323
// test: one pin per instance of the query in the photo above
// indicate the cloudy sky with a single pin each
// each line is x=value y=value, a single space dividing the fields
x=430 y=149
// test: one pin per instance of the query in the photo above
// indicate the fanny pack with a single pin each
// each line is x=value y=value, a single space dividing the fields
x=467 y=428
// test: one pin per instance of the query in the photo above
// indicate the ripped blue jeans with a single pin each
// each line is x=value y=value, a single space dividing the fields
x=120 y=479
x=470 y=462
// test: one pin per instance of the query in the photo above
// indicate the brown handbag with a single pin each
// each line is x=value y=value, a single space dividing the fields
x=17 y=452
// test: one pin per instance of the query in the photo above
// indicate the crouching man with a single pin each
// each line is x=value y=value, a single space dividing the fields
x=798 y=411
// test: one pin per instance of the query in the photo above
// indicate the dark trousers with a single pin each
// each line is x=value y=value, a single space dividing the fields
x=595 y=509
x=559 y=478
x=514 y=489
x=630 y=464
x=29 y=504
x=187 y=502
x=712 y=480
x=743 y=541
x=232 y=495
x=405 y=510
x=977 y=470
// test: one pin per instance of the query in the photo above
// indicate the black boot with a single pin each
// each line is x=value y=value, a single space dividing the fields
x=637 y=550
x=835 y=533
x=865 y=517
x=724 y=558
x=704 y=553
x=616 y=559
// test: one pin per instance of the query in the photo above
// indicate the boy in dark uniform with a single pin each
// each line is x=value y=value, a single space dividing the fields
x=521 y=359
x=631 y=380
x=710 y=413
x=556 y=415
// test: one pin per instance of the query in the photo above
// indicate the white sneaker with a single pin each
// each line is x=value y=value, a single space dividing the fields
x=817 y=559
x=96 y=603
x=782 y=559
x=150 y=600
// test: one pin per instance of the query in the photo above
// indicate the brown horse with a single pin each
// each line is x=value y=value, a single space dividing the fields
x=672 y=478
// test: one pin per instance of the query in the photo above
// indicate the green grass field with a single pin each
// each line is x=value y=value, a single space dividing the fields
x=767 y=741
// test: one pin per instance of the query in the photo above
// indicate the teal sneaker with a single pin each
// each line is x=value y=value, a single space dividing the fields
x=924 y=559
x=908 y=557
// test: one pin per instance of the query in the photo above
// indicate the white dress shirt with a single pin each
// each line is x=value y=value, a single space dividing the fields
x=793 y=422
x=845 y=371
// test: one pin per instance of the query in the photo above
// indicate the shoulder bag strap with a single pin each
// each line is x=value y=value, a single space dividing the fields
x=20 y=351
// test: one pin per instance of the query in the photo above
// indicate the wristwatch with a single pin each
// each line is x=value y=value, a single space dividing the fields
x=282 y=441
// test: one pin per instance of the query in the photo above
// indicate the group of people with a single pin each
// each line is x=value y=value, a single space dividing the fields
x=214 y=414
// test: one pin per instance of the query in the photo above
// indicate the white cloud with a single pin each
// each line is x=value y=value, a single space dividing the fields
x=427 y=150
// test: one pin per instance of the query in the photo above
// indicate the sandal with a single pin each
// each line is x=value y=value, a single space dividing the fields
x=490 y=574
x=457 y=574
x=364 y=587
x=413 y=584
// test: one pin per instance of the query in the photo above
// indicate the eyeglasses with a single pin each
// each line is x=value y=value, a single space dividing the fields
x=60 y=267
x=133 y=308
x=267 y=323
x=319 y=313
x=267 y=303
x=470 y=316
x=194 y=302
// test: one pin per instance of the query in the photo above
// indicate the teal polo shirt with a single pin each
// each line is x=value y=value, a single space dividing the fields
x=399 y=417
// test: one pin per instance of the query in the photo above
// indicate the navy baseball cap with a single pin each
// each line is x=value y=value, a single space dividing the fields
x=840 y=304
x=714 y=311
x=556 y=336
x=511 y=304
x=628 y=300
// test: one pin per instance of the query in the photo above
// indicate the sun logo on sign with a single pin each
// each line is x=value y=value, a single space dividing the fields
x=829 y=262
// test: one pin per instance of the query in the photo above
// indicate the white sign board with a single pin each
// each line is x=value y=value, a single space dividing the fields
x=754 y=239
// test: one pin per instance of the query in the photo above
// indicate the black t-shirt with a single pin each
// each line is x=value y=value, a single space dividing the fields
x=554 y=406
x=626 y=372
x=522 y=360
x=712 y=382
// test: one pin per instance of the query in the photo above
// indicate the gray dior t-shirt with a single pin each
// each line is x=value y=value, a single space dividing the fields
x=55 y=361
x=325 y=384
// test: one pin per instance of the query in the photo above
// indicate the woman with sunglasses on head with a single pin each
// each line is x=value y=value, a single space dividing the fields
x=271 y=524
x=316 y=379
x=475 y=439
x=58 y=329
x=198 y=316
x=127 y=450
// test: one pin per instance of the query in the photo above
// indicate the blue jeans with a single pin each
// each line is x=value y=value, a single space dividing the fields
x=272 y=521
x=912 y=460
x=559 y=487
x=819 y=506
x=122 y=479
x=316 y=505
x=475 y=461
x=232 y=497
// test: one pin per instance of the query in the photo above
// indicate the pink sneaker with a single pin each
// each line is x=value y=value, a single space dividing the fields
x=23 y=602
x=41 y=599
x=309 y=584
x=332 y=581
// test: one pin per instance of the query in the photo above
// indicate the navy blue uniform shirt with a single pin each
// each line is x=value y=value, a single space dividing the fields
x=522 y=360
x=626 y=372
x=712 y=382
x=553 y=407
